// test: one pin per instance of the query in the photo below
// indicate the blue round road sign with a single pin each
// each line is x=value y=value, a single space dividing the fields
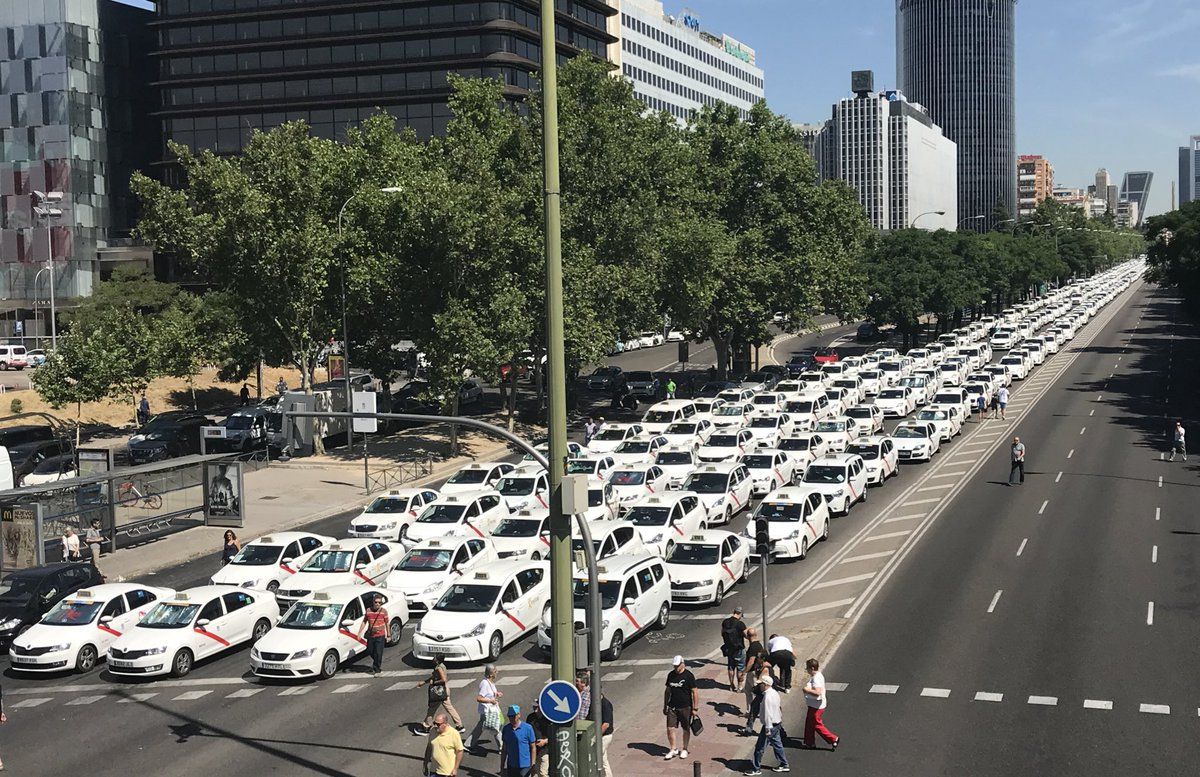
x=559 y=702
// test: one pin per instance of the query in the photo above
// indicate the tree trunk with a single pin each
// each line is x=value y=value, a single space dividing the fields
x=722 y=346
x=307 y=367
x=192 y=388
x=454 y=427
x=511 y=401
x=78 y=420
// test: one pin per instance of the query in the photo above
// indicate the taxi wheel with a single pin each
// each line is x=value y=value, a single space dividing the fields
x=272 y=586
x=536 y=557
x=745 y=570
x=720 y=597
x=728 y=515
x=329 y=665
x=615 y=647
x=803 y=549
x=863 y=496
x=664 y=615
x=181 y=664
x=260 y=629
x=825 y=534
x=495 y=645
x=395 y=631
x=85 y=661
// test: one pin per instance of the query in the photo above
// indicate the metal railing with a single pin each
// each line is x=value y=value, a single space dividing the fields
x=405 y=472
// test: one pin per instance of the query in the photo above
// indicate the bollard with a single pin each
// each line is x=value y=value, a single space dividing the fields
x=695 y=769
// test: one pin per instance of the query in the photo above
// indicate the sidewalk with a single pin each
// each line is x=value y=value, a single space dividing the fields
x=287 y=495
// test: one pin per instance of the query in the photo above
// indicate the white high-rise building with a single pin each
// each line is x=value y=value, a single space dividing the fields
x=904 y=169
x=677 y=67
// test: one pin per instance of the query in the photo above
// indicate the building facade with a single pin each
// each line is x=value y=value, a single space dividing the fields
x=957 y=58
x=1035 y=182
x=1135 y=188
x=1073 y=198
x=1189 y=170
x=677 y=67
x=226 y=68
x=75 y=104
x=902 y=166
x=1127 y=215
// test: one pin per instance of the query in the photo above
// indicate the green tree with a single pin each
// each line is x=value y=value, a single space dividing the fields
x=1174 y=254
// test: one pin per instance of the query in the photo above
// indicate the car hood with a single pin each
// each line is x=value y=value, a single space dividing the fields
x=139 y=638
x=419 y=532
x=292 y=640
x=319 y=581
x=238 y=574
x=440 y=626
x=41 y=635
x=599 y=446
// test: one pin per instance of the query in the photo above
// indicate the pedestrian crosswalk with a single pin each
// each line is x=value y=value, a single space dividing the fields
x=996 y=697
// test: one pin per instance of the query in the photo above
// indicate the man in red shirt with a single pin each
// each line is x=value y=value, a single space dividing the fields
x=375 y=623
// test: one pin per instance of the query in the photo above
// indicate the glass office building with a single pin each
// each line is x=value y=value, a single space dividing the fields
x=228 y=67
x=75 y=108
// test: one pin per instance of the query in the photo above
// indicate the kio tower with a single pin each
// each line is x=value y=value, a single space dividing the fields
x=956 y=57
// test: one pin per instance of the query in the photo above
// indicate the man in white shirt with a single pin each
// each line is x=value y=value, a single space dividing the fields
x=770 y=713
x=783 y=656
x=814 y=694
x=1179 y=442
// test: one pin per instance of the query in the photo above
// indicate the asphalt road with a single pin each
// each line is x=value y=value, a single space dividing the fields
x=1066 y=625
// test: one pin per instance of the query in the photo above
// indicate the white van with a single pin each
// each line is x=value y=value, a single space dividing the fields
x=12 y=357
x=663 y=414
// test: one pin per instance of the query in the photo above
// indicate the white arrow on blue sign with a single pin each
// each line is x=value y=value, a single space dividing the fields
x=559 y=702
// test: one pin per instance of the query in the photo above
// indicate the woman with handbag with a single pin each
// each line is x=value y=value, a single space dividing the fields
x=759 y=667
x=488 y=698
x=439 y=696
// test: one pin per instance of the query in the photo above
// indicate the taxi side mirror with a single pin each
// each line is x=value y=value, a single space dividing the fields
x=727 y=560
x=287 y=561
x=361 y=565
x=203 y=622
x=106 y=618
x=348 y=622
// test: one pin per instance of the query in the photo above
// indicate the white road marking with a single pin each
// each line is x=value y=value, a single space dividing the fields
x=31 y=702
x=140 y=697
x=819 y=607
x=1071 y=453
x=1093 y=412
x=1042 y=509
x=352 y=687
x=1154 y=555
x=884 y=688
x=1155 y=709
x=191 y=695
x=953 y=474
x=867 y=557
x=660 y=675
x=400 y=686
x=244 y=693
x=79 y=701
x=297 y=691
x=937 y=693
x=512 y=679
x=927 y=489
x=1021 y=549
x=1150 y=613
x=1097 y=704
x=887 y=536
x=835 y=686
x=995 y=599
x=616 y=677
x=461 y=682
x=1099 y=397
x=988 y=696
x=921 y=502
x=1084 y=429
x=845 y=580
x=1157 y=513
x=899 y=518
x=1046 y=701
x=1058 y=477
x=1160 y=481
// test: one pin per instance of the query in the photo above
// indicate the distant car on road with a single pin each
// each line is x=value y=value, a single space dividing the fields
x=826 y=356
x=603 y=378
x=168 y=435
x=868 y=332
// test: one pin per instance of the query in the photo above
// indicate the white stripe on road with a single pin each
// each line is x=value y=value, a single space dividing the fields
x=1071 y=453
x=835 y=686
x=819 y=607
x=1045 y=701
x=1081 y=431
x=921 y=502
x=988 y=696
x=1092 y=413
x=244 y=693
x=937 y=693
x=1021 y=549
x=616 y=677
x=512 y=680
x=1097 y=704
x=461 y=682
x=351 y=687
x=1150 y=614
x=30 y=702
x=1157 y=513
x=1058 y=477
x=1042 y=509
x=867 y=557
x=887 y=536
x=1155 y=709
x=995 y=599
x=1160 y=481
x=1154 y=554
x=82 y=700
x=297 y=691
x=140 y=697
x=899 y=518
x=884 y=688
x=191 y=695
x=927 y=489
x=845 y=580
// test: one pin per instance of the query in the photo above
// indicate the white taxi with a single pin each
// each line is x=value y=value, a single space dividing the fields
x=345 y=562
x=481 y=614
x=475 y=476
x=79 y=630
x=692 y=433
x=595 y=466
x=663 y=519
x=797 y=518
x=726 y=446
x=869 y=418
x=678 y=462
x=423 y=573
x=269 y=561
x=1017 y=366
x=723 y=488
x=603 y=503
x=663 y=414
x=632 y=483
x=841 y=478
x=387 y=517
x=522 y=535
x=321 y=632
x=945 y=419
x=638 y=450
x=916 y=440
x=190 y=626
x=525 y=486
x=769 y=429
x=803 y=449
x=613 y=435
x=770 y=468
x=471 y=513
x=837 y=432
x=731 y=416
x=896 y=402
x=705 y=565
x=878 y=453
x=706 y=406
x=610 y=539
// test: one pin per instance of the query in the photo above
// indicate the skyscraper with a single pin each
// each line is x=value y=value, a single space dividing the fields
x=1189 y=170
x=956 y=57
x=1136 y=188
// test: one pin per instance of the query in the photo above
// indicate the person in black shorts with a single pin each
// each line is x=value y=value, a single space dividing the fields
x=679 y=704
x=733 y=647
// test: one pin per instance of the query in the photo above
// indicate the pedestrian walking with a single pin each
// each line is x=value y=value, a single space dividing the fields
x=375 y=624
x=671 y=388
x=443 y=749
x=487 y=700
x=753 y=645
x=518 y=750
x=143 y=411
x=996 y=403
x=229 y=547
x=70 y=546
x=281 y=386
x=542 y=731
x=606 y=733
x=679 y=704
x=94 y=541
x=583 y=684
x=981 y=406
x=733 y=647
x=758 y=668
x=439 y=695
x=589 y=431
x=1002 y=398
x=783 y=656
x=599 y=425
x=1180 y=441
x=771 y=716
x=1018 y=461
x=814 y=694
x=245 y=394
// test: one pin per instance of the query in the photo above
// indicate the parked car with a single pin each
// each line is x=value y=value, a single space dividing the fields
x=12 y=357
x=26 y=457
x=28 y=594
x=167 y=436
x=868 y=332
x=602 y=378
x=245 y=430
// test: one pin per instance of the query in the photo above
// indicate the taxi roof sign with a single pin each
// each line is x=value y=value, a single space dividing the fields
x=267 y=538
x=321 y=596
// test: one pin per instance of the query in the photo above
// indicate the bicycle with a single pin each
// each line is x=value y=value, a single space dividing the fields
x=128 y=494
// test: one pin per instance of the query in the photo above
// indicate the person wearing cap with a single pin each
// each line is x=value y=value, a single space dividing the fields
x=542 y=731
x=518 y=749
x=679 y=704
x=770 y=713
x=444 y=749
x=814 y=694
x=733 y=647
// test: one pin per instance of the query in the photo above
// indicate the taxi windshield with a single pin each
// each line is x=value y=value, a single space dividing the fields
x=673 y=457
x=329 y=561
x=169 y=615
x=595 y=497
x=424 y=560
x=868 y=452
x=468 y=477
x=581 y=466
x=910 y=432
x=648 y=515
x=758 y=461
x=610 y=435
x=628 y=477
x=691 y=553
x=766 y=422
x=707 y=483
x=730 y=410
x=795 y=444
x=766 y=399
x=704 y=407
x=311 y=615
x=510 y=486
x=609 y=591
x=442 y=514
x=69 y=613
x=633 y=446
x=831 y=426
x=257 y=555
x=781 y=512
x=722 y=441
x=518 y=527
x=799 y=407
x=683 y=428
x=825 y=474
x=388 y=504
x=932 y=415
x=468 y=597
x=659 y=416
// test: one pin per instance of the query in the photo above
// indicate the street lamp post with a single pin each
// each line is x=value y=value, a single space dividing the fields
x=345 y=325
x=46 y=207
x=912 y=224
x=968 y=218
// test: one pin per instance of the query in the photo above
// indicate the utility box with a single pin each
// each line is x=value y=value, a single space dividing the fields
x=585 y=747
x=574 y=494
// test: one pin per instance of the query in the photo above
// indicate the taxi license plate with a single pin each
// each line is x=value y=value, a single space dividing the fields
x=22 y=660
x=273 y=666
x=444 y=649
x=119 y=662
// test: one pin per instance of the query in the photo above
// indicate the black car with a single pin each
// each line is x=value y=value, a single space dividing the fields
x=603 y=378
x=167 y=436
x=12 y=436
x=26 y=456
x=643 y=384
x=27 y=595
x=868 y=332
x=765 y=377
x=714 y=387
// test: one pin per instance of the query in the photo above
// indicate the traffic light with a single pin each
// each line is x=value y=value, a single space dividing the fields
x=762 y=539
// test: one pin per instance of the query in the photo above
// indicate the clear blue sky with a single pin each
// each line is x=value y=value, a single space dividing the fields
x=1100 y=83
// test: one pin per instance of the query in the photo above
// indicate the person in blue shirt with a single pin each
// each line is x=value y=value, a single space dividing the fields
x=518 y=751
